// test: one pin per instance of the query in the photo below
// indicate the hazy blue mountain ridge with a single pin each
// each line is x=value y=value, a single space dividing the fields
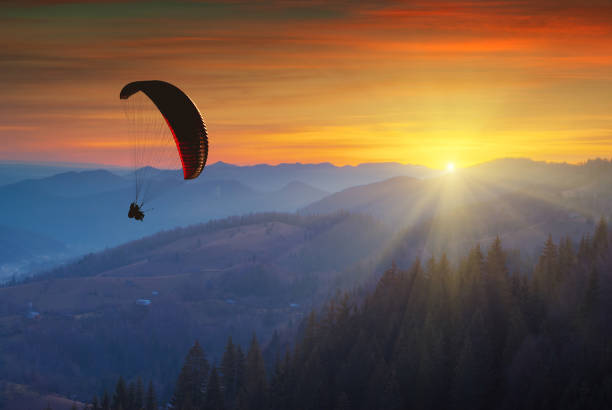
x=86 y=210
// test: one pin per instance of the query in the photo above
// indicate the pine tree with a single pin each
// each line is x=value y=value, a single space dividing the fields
x=434 y=374
x=443 y=268
x=139 y=395
x=391 y=398
x=474 y=376
x=131 y=400
x=567 y=259
x=240 y=371
x=477 y=261
x=190 y=388
x=404 y=361
x=546 y=272
x=281 y=384
x=95 y=404
x=254 y=391
x=214 y=395
x=431 y=266
x=310 y=336
x=276 y=393
x=591 y=297
x=150 y=400
x=106 y=402
x=496 y=259
x=376 y=390
x=272 y=349
x=342 y=402
x=600 y=239
x=585 y=250
x=120 y=397
x=228 y=372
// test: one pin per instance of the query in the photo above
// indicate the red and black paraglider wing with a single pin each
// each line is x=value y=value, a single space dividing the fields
x=183 y=119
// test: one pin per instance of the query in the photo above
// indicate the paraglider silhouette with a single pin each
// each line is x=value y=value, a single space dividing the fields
x=135 y=212
x=184 y=121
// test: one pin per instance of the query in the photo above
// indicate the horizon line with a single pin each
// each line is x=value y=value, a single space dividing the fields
x=95 y=165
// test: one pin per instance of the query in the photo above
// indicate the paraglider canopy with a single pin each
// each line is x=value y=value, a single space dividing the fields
x=183 y=119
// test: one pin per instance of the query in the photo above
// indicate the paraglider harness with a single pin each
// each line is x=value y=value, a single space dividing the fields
x=135 y=212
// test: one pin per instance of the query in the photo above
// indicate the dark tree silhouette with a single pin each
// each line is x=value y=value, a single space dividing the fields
x=470 y=335
x=214 y=395
x=190 y=388
x=150 y=399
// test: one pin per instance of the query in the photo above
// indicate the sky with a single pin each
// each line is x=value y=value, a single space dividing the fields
x=425 y=82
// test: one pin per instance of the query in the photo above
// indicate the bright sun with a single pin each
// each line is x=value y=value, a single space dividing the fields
x=450 y=167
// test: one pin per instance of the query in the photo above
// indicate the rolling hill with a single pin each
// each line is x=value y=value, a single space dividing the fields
x=521 y=201
x=87 y=210
x=15 y=171
x=325 y=176
x=134 y=309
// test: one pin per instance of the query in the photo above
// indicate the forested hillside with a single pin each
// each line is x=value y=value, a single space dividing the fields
x=134 y=310
x=436 y=336
x=476 y=336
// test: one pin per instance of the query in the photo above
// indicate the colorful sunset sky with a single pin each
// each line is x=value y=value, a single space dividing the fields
x=426 y=82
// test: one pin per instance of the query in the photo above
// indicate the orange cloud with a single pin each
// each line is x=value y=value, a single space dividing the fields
x=411 y=81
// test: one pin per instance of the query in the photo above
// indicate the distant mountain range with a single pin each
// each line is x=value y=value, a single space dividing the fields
x=518 y=199
x=263 y=177
x=324 y=176
x=15 y=171
x=86 y=210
